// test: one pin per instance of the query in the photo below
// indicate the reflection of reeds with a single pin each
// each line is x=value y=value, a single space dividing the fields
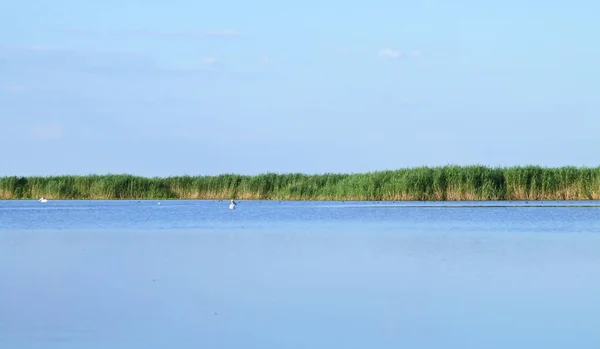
x=422 y=183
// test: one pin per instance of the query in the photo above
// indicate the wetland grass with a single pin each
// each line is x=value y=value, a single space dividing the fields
x=422 y=183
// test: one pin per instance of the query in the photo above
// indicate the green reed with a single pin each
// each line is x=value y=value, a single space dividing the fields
x=421 y=183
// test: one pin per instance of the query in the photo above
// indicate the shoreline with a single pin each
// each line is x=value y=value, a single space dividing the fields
x=429 y=202
x=349 y=204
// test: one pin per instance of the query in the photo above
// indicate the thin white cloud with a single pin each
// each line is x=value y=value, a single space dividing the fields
x=15 y=89
x=35 y=48
x=91 y=133
x=209 y=60
x=416 y=53
x=55 y=59
x=389 y=53
x=24 y=48
x=46 y=131
x=155 y=33
x=222 y=33
x=186 y=134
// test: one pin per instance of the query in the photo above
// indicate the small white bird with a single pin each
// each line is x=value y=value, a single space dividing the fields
x=232 y=205
x=43 y=199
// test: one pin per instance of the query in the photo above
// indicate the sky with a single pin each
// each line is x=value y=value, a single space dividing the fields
x=183 y=87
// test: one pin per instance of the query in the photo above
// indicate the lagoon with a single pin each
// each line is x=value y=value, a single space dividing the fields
x=270 y=274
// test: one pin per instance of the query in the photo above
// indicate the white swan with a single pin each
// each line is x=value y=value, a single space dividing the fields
x=232 y=205
x=43 y=199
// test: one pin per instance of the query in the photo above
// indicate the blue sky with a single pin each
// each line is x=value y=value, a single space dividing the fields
x=160 y=88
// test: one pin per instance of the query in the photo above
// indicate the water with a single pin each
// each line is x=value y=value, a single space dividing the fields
x=194 y=274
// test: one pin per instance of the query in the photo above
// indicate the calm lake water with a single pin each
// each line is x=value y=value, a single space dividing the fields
x=310 y=275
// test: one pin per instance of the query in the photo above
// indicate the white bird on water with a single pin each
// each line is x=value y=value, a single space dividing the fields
x=232 y=205
x=43 y=199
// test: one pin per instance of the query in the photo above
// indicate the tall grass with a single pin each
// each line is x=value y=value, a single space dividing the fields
x=422 y=183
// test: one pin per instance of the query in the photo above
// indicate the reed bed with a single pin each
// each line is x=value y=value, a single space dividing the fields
x=446 y=183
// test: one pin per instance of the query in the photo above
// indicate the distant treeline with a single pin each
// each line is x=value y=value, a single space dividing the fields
x=422 y=183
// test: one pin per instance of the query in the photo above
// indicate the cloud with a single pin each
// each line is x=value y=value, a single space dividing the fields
x=186 y=134
x=209 y=60
x=222 y=33
x=53 y=74
x=51 y=61
x=35 y=61
x=46 y=131
x=38 y=48
x=91 y=133
x=42 y=54
x=416 y=53
x=15 y=88
x=155 y=33
x=389 y=53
